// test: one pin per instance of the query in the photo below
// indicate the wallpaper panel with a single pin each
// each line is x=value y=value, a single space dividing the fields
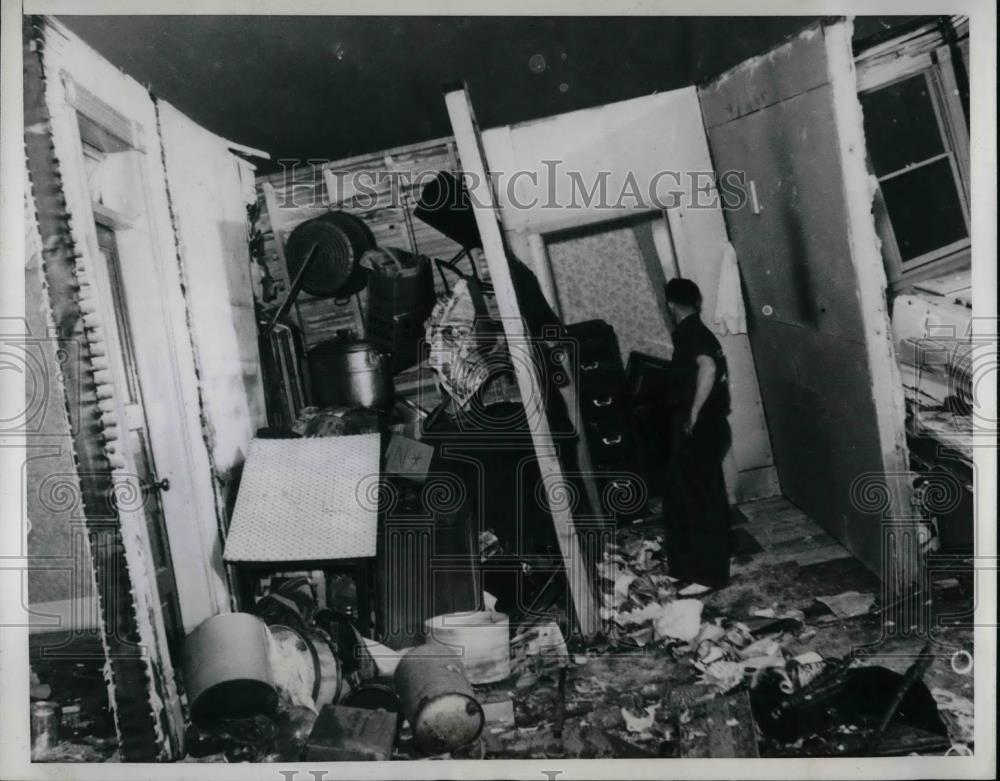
x=602 y=273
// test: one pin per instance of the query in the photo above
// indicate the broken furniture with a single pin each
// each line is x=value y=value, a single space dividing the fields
x=307 y=504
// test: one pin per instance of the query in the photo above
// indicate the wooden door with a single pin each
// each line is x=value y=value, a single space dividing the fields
x=147 y=485
x=788 y=124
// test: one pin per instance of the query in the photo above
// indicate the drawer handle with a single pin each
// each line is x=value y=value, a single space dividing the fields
x=615 y=440
x=603 y=402
x=589 y=367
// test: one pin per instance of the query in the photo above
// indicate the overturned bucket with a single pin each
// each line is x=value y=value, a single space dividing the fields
x=481 y=639
x=227 y=668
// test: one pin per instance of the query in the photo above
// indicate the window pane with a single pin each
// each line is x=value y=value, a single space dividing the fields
x=900 y=125
x=924 y=209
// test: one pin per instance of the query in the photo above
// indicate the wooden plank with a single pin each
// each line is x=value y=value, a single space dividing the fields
x=470 y=150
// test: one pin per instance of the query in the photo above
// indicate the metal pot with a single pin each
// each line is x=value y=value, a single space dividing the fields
x=346 y=373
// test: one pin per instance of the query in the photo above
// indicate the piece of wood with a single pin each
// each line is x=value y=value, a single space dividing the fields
x=542 y=266
x=470 y=150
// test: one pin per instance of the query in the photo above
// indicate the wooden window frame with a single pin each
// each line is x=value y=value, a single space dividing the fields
x=934 y=62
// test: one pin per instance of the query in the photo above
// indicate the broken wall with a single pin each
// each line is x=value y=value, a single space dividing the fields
x=658 y=142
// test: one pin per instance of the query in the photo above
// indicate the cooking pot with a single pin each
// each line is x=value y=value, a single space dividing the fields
x=345 y=373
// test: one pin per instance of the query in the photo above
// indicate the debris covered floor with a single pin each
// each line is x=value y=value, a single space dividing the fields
x=654 y=702
x=680 y=681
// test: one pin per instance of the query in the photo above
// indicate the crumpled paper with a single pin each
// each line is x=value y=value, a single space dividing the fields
x=848 y=604
x=643 y=723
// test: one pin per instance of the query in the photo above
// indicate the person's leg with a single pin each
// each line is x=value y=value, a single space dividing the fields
x=677 y=510
x=709 y=505
x=731 y=473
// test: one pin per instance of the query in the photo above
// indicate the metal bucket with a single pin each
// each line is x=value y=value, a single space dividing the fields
x=481 y=638
x=227 y=668
x=437 y=699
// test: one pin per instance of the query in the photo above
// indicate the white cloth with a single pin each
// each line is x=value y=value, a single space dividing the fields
x=730 y=313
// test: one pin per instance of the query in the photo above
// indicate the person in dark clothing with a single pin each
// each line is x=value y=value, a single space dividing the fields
x=696 y=507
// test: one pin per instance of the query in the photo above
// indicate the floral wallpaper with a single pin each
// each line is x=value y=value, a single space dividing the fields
x=603 y=274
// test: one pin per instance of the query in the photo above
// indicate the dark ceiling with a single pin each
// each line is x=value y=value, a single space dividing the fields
x=334 y=86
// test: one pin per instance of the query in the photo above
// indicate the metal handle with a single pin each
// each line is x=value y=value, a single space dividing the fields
x=754 y=201
x=602 y=402
x=589 y=367
x=158 y=485
x=612 y=440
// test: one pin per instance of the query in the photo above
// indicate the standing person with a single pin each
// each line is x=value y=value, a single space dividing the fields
x=695 y=502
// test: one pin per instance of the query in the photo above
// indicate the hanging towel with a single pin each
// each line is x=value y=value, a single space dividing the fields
x=730 y=315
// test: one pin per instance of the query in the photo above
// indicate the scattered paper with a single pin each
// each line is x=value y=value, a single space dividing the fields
x=635 y=723
x=958 y=713
x=680 y=619
x=694 y=590
x=622 y=582
x=848 y=604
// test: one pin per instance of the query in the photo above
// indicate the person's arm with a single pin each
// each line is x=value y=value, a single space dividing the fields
x=702 y=389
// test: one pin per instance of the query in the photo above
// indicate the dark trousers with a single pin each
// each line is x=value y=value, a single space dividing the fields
x=695 y=504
